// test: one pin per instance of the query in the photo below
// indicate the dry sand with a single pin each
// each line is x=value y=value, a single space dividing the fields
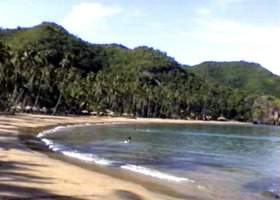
x=27 y=174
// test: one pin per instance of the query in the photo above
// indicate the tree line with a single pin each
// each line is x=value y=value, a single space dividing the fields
x=60 y=74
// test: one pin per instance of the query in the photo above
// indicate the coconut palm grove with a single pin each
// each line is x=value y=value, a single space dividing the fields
x=46 y=69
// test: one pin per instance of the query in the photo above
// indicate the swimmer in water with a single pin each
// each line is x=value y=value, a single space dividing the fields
x=128 y=140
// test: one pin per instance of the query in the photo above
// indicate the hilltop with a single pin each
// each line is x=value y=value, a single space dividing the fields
x=251 y=77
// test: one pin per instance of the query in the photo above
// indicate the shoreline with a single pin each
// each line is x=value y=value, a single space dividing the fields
x=63 y=182
x=35 y=143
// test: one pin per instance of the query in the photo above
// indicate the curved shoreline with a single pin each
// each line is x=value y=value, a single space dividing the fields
x=61 y=175
x=100 y=167
x=152 y=187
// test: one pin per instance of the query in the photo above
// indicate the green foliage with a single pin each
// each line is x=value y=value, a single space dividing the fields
x=242 y=75
x=256 y=90
x=45 y=66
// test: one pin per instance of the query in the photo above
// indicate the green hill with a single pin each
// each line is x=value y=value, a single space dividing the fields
x=242 y=75
x=21 y=38
x=46 y=68
x=52 y=42
x=51 y=68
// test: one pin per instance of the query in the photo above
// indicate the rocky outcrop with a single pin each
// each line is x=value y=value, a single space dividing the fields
x=266 y=111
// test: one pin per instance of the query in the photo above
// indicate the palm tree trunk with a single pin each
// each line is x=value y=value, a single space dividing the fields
x=38 y=94
x=57 y=104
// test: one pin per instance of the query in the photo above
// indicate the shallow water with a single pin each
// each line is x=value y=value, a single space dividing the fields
x=208 y=161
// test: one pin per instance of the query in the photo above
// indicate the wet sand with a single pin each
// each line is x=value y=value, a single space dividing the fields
x=29 y=174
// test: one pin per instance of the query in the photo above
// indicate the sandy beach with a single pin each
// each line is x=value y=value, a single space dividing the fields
x=28 y=174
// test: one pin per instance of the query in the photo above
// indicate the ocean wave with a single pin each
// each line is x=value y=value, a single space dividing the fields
x=156 y=174
x=91 y=158
x=51 y=145
x=87 y=157
x=59 y=128
x=69 y=127
x=53 y=130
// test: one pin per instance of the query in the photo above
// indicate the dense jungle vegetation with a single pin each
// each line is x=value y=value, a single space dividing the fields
x=46 y=69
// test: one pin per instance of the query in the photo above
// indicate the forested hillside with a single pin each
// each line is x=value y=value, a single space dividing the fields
x=251 y=77
x=46 y=69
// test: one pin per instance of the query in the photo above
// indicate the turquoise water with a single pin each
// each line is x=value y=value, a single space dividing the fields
x=213 y=161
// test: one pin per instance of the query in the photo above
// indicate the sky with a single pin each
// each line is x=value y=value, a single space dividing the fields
x=191 y=31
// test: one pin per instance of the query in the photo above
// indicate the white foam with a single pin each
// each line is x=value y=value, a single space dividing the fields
x=156 y=174
x=59 y=128
x=87 y=157
x=74 y=154
x=51 y=145
x=53 y=130
x=46 y=141
x=94 y=159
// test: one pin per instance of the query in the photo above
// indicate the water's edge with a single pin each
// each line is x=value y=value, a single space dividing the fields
x=94 y=159
x=32 y=138
x=38 y=139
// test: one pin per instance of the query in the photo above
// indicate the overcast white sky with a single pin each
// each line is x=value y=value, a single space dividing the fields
x=191 y=31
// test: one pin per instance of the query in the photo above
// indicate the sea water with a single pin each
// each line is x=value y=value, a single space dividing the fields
x=207 y=161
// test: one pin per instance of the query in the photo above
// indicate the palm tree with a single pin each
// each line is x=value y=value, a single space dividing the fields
x=65 y=62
